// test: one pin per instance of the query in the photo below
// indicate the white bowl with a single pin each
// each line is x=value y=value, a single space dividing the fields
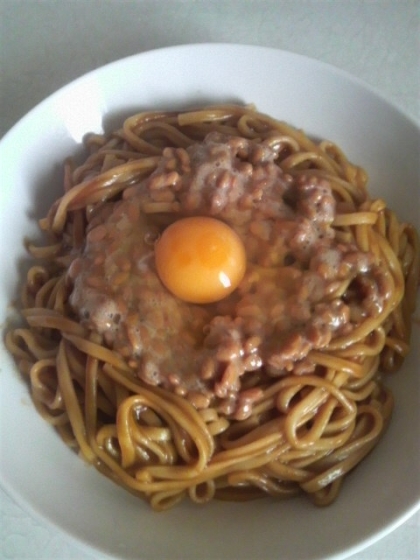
x=52 y=482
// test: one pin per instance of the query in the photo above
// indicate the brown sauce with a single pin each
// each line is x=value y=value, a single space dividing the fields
x=288 y=303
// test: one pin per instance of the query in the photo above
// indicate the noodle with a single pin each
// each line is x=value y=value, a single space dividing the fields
x=286 y=414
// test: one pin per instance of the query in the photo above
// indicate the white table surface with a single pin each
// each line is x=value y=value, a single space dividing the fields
x=46 y=44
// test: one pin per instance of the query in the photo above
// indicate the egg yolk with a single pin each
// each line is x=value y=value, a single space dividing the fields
x=200 y=259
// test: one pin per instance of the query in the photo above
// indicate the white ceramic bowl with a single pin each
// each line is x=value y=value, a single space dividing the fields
x=48 y=479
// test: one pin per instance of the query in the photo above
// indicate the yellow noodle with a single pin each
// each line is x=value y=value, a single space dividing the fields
x=306 y=431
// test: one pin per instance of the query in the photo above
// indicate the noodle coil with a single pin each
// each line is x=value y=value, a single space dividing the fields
x=281 y=423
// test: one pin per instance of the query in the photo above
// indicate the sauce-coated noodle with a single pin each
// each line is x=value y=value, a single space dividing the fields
x=274 y=390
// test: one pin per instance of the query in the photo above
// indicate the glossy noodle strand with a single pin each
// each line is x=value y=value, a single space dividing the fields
x=253 y=395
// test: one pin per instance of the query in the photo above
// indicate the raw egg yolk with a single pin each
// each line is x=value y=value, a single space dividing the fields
x=200 y=259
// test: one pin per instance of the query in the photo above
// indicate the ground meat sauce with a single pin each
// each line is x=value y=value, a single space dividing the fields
x=287 y=304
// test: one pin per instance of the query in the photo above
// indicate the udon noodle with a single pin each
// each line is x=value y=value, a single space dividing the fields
x=301 y=410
